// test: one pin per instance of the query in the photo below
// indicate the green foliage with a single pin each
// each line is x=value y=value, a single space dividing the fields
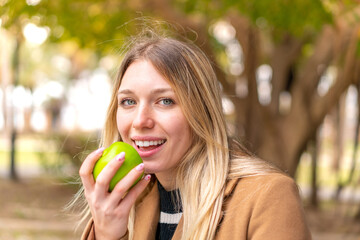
x=358 y=48
x=204 y=7
x=92 y=24
x=99 y=24
x=295 y=17
x=14 y=13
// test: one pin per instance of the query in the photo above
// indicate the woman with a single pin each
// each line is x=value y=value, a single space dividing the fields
x=200 y=184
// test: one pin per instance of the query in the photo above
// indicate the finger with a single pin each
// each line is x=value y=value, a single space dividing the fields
x=123 y=186
x=134 y=193
x=87 y=167
x=108 y=172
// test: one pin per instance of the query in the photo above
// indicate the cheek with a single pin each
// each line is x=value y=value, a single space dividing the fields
x=181 y=129
x=121 y=125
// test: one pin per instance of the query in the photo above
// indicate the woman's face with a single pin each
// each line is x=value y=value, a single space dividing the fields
x=150 y=118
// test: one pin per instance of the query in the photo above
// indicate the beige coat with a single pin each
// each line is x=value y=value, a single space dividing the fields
x=256 y=208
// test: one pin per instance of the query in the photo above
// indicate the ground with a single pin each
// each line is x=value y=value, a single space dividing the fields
x=32 y=209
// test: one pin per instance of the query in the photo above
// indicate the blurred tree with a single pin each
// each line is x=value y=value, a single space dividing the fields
x=298 y=42
x=12 y=130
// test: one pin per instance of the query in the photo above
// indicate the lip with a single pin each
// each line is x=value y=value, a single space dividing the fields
x=146 y=138
x=149 y=153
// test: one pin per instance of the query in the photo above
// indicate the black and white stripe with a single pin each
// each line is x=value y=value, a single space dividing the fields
x=169 y=214
x=170 y=218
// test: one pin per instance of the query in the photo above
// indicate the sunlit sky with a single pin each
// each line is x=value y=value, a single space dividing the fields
x=34 y=34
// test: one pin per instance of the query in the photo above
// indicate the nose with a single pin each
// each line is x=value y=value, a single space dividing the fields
x=143 y=118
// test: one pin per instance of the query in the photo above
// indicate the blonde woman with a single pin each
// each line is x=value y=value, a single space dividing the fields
x=198 y=184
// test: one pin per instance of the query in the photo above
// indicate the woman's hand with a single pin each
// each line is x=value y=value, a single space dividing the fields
x=110 y=210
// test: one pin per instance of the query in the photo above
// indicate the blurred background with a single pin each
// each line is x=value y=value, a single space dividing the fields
x=290 y=73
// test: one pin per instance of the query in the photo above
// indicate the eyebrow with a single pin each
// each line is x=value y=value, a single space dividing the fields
x=154 y=91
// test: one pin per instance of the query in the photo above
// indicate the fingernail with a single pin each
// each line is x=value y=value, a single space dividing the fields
x=121 y=156
x=147 y=177
x=100 y=150
x=140 y=167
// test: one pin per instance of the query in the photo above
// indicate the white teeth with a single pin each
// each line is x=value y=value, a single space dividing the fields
x=149 y=143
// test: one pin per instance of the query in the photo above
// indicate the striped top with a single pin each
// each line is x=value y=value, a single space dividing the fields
x=169 y=214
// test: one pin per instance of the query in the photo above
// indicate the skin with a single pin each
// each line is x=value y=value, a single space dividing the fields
x=110 y=210
x=147 y=110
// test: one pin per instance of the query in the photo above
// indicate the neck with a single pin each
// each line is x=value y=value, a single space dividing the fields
x=167 y=180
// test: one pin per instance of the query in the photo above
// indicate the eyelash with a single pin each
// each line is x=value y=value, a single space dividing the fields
x=125 y=101
x=167 y=99
x=122 y=102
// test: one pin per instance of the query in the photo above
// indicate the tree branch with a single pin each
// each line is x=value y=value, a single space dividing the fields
x=308 y=76
x=282 y=58
x=322 y=105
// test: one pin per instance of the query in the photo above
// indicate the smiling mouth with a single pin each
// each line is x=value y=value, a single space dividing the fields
x=149 y=145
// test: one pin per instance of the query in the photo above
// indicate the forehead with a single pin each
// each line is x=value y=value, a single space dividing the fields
x=142 y=72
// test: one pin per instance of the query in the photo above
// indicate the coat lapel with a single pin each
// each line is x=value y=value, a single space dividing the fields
x=147 y=216
x=178 y=231
x=230 y=185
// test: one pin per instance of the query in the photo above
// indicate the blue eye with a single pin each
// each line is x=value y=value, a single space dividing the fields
x=127 y=102
x=167 y=101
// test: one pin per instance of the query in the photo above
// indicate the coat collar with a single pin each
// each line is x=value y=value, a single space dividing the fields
x=230 y=185
x=148 y=213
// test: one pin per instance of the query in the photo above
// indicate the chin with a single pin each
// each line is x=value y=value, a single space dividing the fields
x=152 y=170
x=149 y=169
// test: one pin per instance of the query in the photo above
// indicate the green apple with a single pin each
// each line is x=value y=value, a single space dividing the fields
x=132 y=159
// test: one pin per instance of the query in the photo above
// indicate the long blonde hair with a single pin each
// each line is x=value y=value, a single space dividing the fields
x=210 y=161
x=212 y=158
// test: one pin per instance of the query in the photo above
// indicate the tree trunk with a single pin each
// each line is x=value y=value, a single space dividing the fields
x=274 y=136
x=13 y=131
x=314 y=149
